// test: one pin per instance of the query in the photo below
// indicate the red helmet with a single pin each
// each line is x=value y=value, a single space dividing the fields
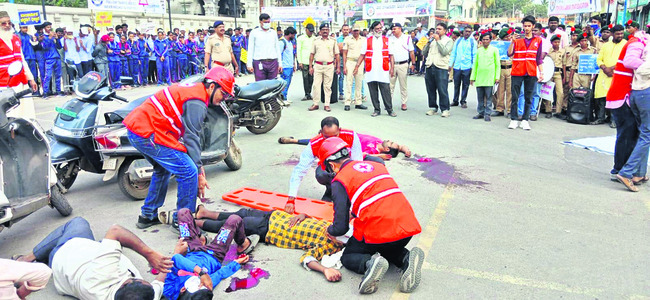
x=331 y=150
x=222 y=77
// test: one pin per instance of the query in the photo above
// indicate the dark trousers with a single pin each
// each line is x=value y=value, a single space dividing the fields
x=375 y=87
x=627 y=133
x=325 y=178
x=307 y=79
x=255 y=221
x=269 y=69
x=437 y=81
x=529 y=88
x=484 y=94
x=357 y=253
x=599 y=107
x=232 y=229
x=75 y=228
x=461 y=76
x=86 y=66
x=333 y=96
x=238 y=60
x=153 y=71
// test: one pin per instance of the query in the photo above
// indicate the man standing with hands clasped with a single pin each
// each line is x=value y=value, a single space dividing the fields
x=485 y=73
x=323 y=62
x=352 y=45
x=264 y=60
x=402 y=49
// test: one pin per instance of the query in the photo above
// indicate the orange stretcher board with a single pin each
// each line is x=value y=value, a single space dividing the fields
x=267 y=201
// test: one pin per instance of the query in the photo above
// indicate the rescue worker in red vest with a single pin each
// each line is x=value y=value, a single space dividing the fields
x=527 y=62
x=166 y=129
x=10 y=52
x=379 y=69
x=383 y=219
x=329 y=128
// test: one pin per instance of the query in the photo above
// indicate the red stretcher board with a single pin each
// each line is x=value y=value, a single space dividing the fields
x=267 y=201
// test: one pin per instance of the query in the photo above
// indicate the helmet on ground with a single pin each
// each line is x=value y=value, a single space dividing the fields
x=222 y=77
x=332 y=149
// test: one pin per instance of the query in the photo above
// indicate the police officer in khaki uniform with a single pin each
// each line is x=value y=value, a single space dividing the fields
x=568 y=63
x=218 y=48
x=352 y=46
x=504 y=94
x=323 y=62
x=581 y=80
x=557 y=54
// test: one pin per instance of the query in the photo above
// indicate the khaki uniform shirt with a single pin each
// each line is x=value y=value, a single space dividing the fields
x=324 y=50
x=576 y=55
x=568 y=56
x=558 y=57
x=220 y=49
x=354 y=46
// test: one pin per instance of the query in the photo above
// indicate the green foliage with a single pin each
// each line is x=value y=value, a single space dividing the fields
x=63 y=3
x=504 y=8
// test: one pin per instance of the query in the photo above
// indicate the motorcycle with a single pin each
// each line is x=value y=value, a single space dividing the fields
x=72 y=136
x=24 y=159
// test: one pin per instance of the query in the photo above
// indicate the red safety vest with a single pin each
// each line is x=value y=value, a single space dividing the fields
x=7 y=56
x=622 y=78
x=384 y=54
x=162 y=113
x=381 y=212
x=524 y=60
x=345 y=134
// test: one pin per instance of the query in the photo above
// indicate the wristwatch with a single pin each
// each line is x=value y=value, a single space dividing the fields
x=204 y=271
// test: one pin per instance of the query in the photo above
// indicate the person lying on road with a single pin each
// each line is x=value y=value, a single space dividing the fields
x=370 y=145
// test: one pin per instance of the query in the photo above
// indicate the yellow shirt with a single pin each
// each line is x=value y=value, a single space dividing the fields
x=220 y=49
x=324 y=50
x=608 y=56
x=354 y=46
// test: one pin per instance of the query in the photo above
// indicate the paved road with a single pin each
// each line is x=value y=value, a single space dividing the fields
x=523 y=217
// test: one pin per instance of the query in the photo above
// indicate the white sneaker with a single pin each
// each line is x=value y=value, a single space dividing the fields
x=513 y=124
x=431 y=112
x=445 y=114
x=524 y=125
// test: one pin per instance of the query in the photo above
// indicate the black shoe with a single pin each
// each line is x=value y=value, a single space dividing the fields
x=533 y=118
x=487 y=118
x=360 y=106
x=478 y=117
x=560 y=116
x=597 y=122
x=464 y=105
x=347 y=108
x=498 y=114
x=61 y=94
x=612 y=125
x=392 y=114
x=374 y=114
x=144 y=222
x=454 y=104
x=549 y=115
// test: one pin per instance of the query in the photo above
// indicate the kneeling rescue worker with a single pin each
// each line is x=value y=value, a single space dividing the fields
x=384 y=221
x=166 y=129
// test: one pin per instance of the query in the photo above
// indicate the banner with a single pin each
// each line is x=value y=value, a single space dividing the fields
x=398 y=9
x=587 y=64
x=103 y=19
x=32 y=17
x=299 y=13
x=571 y=7
x=503 y=48
x=363 y=24
x=546 y=91
x=244 y=56
x=422 y=42
x=141 y=6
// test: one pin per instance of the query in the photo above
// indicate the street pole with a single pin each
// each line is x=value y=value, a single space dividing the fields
x=638 y=12
x=236 y=8
x=625 y=12
x=294 y=22
x=44 y=14
x=609 y=19
x=169 y=9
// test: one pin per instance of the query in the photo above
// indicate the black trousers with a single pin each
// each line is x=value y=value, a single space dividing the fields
x=529 y=87
x=255 y=221
x=334 y=96
x=325 y=178
x=153 y=72
x=599 y=107
x=357 y=253
x=375 y=87
x=627 y=134
x=461 y=78
x=307 y=79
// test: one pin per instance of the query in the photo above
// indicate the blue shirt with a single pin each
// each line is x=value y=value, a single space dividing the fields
x=28 y=50
x=160 y=48
x=142 y=44
x=237 y=43
x=462 y=57
x=135 y=48
x=115 y=47
x=286 y=47
x=191 y=47
x=50 y=47
x=174 y=283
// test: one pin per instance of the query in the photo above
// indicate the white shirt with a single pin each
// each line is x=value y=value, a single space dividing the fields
x=72 y=53
x=377 y=72
x=400 y=47
x=89 y=42
x=564 y=38
x=87 y=269
x=263 y=45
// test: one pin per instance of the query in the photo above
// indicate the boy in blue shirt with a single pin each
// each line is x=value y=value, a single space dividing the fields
x=28 y=52
x=161 y=50
x=134 y=59
x=114 y=65
x=173 y=56
x=182 y=58
x=50 y=46
x=143 y=59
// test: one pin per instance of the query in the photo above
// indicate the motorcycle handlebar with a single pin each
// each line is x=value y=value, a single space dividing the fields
x=120 y=98
x=23 y=93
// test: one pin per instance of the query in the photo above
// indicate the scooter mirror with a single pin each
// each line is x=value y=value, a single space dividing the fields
x=15 y=68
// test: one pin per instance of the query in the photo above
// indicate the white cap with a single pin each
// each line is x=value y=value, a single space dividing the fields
x=419 y=25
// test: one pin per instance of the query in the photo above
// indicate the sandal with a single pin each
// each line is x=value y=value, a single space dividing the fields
x=16 y=256
x=166 y=216
x=285 y=140
x=640 y=181
x=254 y=238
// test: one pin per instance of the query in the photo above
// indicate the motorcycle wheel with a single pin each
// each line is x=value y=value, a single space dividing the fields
x=59 y=202
x=62 y=169
x=266 y=128
x=134 y=190
x=234 y=158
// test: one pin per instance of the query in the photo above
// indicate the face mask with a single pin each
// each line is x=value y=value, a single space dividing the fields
x=266 y=26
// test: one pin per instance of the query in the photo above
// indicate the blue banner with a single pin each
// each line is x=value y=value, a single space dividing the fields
x=503 y=48
x=587 y=64
x=32 y=17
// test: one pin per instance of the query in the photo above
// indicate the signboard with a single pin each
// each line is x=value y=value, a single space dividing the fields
x=546 y=91
x=571 y=7
x=422 y=42
x=349 y=13
x=587 y=64
x=299 y=13
x=244 y=56
x=141 y=6
x=503 y=48
x=32 y=17
x=398 y=9
x=363 y=24
x=103 y=19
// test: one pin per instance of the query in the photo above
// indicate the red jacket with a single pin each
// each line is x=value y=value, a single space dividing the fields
x=524 y=60
x=162 y=113
x=381 y=213
x=7 y=56
x=384 y=53
x=345 y=134
x=622 y=78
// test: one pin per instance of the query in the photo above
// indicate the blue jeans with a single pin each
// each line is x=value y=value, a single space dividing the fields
x=461 y=76
x=437 y=81
x=533 y=108
x=167 y=161
x=287 y=73
x=637 y=164
x=341 y=77
x=363 y=88
x=75 y=228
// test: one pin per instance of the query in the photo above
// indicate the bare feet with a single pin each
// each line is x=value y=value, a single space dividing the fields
x=200 y=212
x=25 y=258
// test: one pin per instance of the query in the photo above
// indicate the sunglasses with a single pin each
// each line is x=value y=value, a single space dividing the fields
x=8 y=23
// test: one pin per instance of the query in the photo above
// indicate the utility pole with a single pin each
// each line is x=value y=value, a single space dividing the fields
x=235 y=10
x=44 y=14
x=169 y=9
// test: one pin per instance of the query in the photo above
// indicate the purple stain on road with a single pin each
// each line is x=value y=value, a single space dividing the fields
x=292 y=161
x=253 y=279
x=231 y=254
x=441 y=172
x=155 y=230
